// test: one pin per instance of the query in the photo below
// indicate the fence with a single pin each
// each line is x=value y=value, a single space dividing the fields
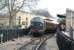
x=9 y=34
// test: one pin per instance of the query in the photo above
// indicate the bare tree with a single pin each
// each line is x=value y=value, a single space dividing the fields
x=12 y=9
x=14 y=6
x=2 y=4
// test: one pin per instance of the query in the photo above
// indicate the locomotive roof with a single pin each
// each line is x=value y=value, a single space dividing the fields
x=37 y=19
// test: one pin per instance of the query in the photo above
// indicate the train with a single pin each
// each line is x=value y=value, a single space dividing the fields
x=42 y=25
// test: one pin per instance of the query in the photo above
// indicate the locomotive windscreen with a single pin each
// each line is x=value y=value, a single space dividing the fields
x=37 y=25
x=37 y=22
x=37 y=19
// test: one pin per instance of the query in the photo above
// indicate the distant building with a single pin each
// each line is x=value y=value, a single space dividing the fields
x=23 y=19
x=69 y=19
x=4 y=21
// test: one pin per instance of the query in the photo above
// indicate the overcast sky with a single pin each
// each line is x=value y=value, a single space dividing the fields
x=56 y=6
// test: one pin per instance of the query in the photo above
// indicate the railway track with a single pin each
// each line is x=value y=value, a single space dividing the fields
x=36 y=43
x=43 y=41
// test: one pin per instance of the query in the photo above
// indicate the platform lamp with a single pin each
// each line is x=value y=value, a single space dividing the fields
x=19 y=23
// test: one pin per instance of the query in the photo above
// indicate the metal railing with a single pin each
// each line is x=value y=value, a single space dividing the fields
x=10 y=34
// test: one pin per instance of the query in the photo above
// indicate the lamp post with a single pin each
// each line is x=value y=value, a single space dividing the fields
x=19 y=23
x=1 y=35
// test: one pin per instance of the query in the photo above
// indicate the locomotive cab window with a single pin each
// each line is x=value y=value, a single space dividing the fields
x=38 y=25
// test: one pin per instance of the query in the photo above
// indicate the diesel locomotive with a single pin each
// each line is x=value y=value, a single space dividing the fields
x=40 y=26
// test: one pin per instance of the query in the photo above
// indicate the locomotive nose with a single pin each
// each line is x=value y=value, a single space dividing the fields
x=36 y=33
x=34 y=30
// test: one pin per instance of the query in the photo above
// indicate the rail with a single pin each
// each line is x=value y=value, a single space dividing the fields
x=38 y=45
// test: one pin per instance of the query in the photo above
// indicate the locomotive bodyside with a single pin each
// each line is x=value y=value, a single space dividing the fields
x=40 y=26
x=51 y=27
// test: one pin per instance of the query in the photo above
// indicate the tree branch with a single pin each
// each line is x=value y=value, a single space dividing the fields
x=12 y=4
x=20 y=6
